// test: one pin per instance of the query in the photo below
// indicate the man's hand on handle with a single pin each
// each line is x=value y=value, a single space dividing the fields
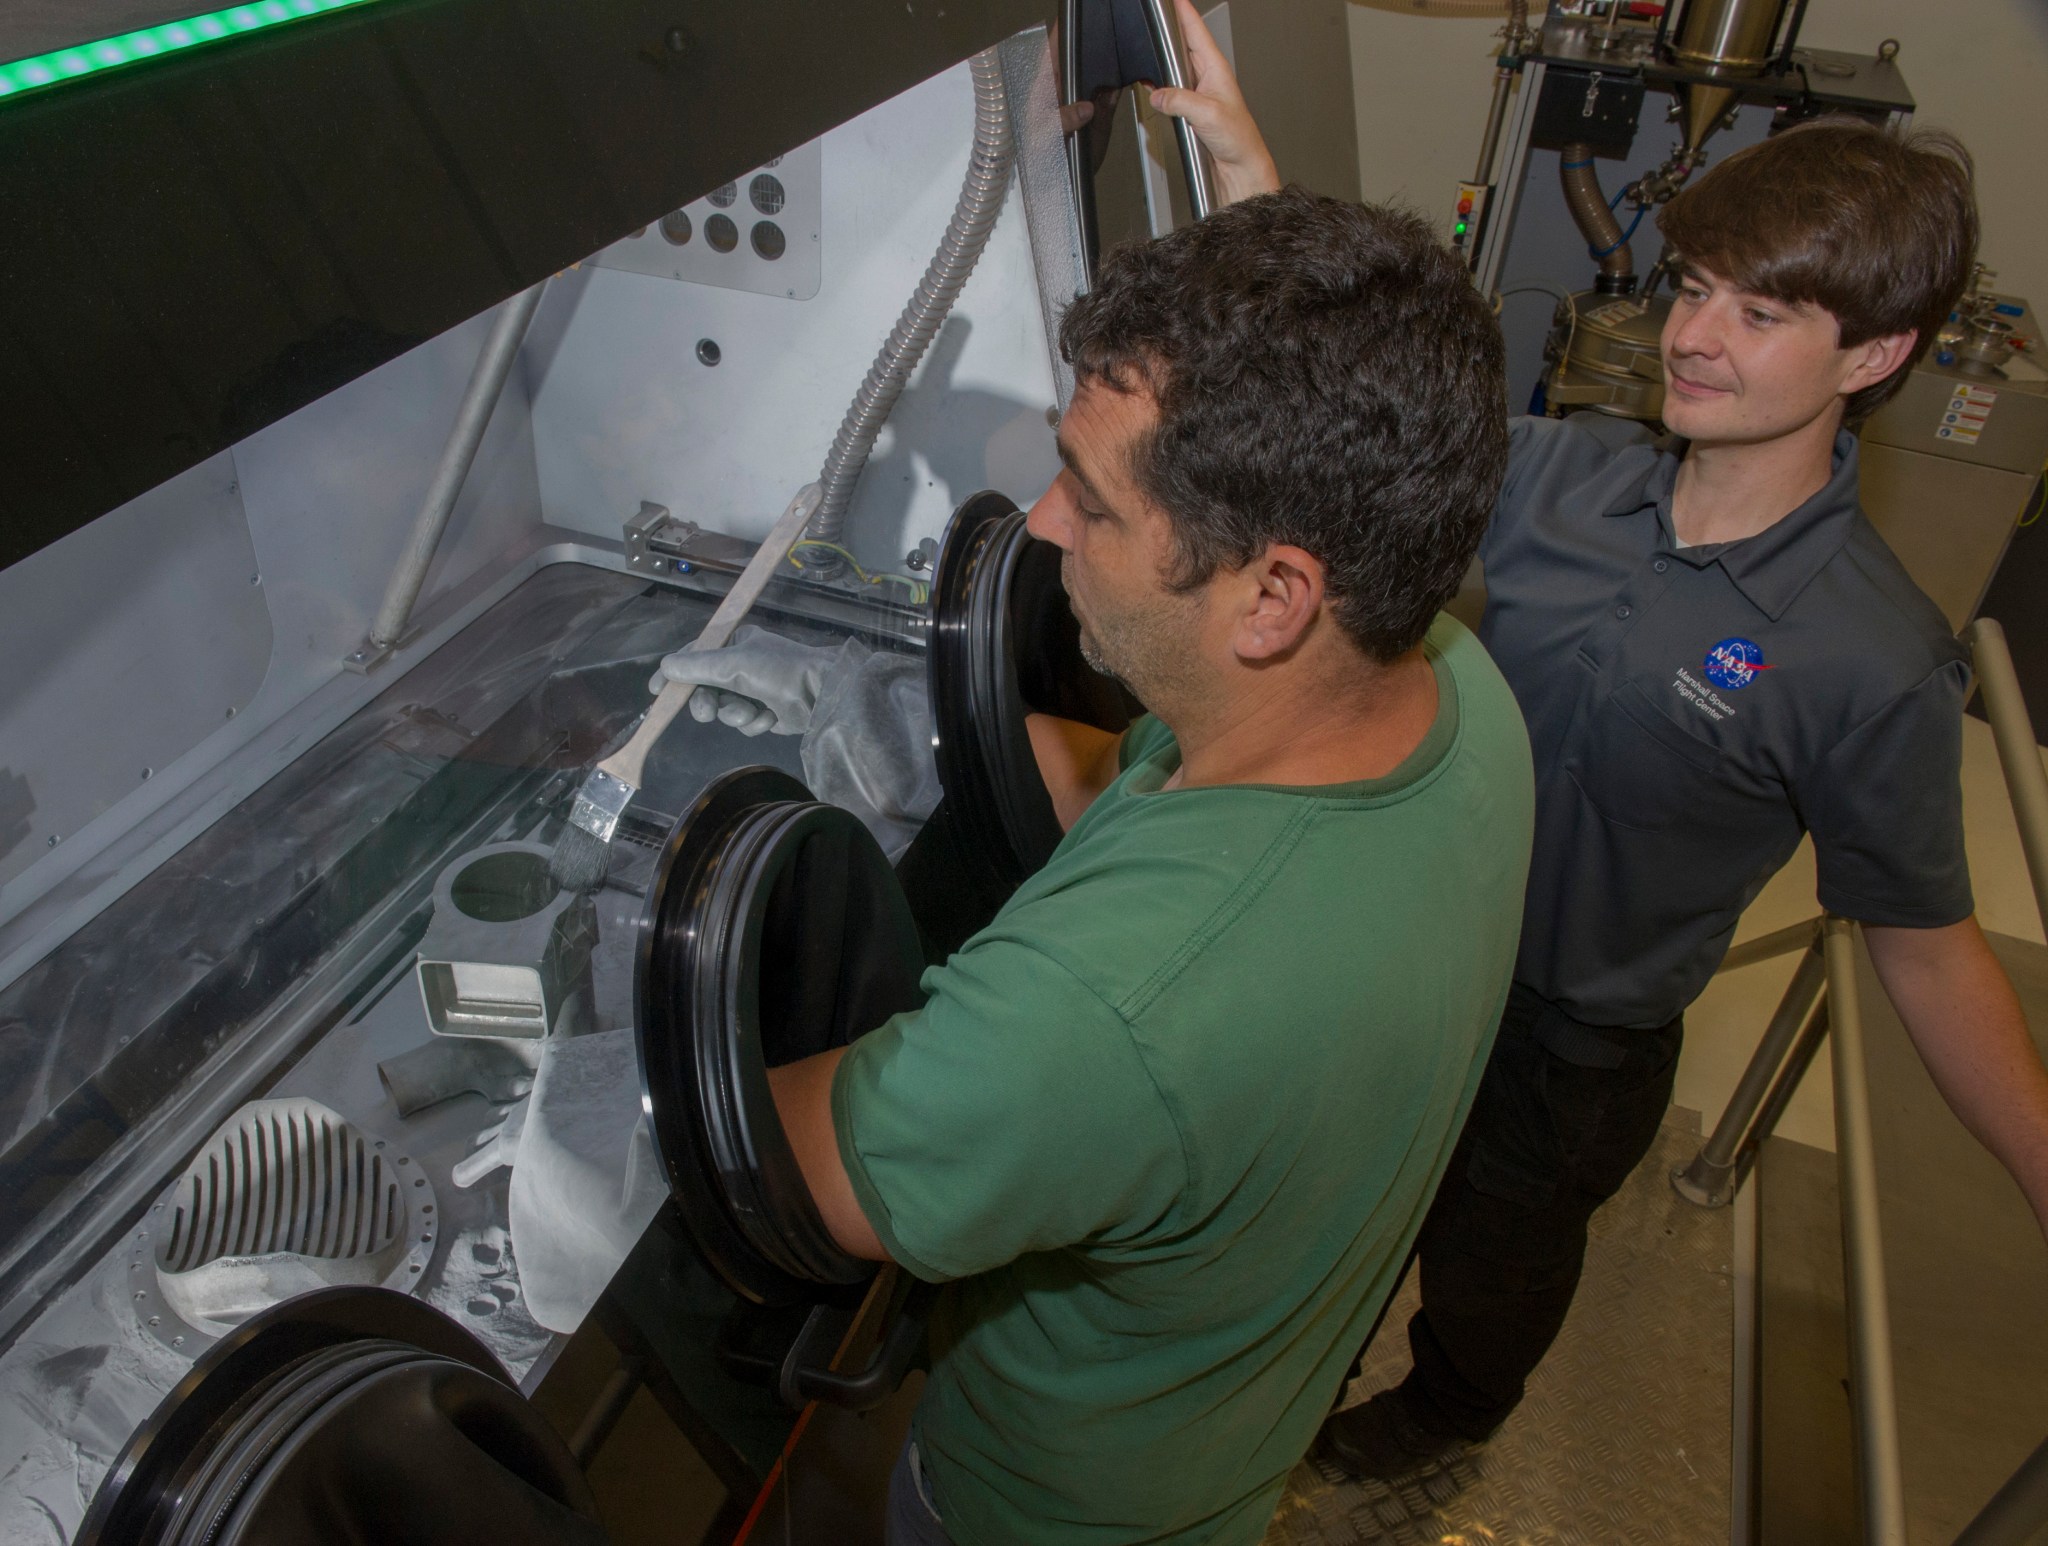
x=1216 y=110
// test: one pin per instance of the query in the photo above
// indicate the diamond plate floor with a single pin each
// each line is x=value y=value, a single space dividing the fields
x=1624 y=1435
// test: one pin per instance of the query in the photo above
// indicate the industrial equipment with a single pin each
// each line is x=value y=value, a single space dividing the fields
x=1569 y=93
x=1940 y=483
x=345 y=557
x=1950 y=465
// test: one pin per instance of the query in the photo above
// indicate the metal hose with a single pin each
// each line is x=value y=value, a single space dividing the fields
x=974 y=216
x=1595 y=220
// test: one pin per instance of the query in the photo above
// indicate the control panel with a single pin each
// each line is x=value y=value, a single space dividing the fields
x=1468 y=219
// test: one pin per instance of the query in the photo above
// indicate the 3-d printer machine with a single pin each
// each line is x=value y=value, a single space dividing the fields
x=399 y=385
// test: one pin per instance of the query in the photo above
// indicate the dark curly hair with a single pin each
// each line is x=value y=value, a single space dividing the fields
x=1326 y=377
x=1878 y=227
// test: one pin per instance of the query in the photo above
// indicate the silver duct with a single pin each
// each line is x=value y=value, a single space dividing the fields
x=974 y=216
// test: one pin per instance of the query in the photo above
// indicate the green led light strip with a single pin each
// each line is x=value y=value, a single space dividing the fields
x=70 y=64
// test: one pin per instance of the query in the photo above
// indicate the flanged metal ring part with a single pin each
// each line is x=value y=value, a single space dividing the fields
x=287 y=1197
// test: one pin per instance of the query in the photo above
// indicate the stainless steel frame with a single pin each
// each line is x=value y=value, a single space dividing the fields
x=1873 y=1389
x=472 y=417
x=1710 y=1181
x=1507 y=181
x=1824 y=994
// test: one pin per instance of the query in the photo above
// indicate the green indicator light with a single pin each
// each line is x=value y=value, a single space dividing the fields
x=24 y=75
x=1461 y=228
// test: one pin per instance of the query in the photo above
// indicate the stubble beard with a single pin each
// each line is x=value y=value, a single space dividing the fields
x=1148 y=649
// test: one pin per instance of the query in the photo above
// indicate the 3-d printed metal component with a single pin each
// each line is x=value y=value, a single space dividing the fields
x=285 y=1198
x=507 y=950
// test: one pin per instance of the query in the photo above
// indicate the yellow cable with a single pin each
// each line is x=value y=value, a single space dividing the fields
x=918 y=590
x=2037 y=500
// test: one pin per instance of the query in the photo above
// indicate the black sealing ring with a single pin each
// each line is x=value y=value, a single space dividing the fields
x=186 y=1469
x=818 y=948
x=985 y=761
x=774 y=930
x=664 y=976
x=1005 y=643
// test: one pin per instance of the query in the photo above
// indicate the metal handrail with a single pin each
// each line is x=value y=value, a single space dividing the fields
x=1812 y=1008
x=2019 y=754
x=2020 y=1507
x=1710 y=1180
x=1768 y=947
x=1874 y=1390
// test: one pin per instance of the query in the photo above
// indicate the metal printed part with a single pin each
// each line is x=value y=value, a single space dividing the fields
x=286 y=1198
x=507 y=950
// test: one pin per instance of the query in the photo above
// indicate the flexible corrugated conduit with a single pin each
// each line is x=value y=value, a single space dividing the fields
x=1596 y=222
x=974 y=216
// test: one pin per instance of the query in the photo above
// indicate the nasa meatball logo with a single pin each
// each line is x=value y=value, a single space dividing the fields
x=1734 y=663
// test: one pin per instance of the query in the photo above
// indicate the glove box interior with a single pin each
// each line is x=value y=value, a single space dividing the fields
x=224 y=822
x=740 y=924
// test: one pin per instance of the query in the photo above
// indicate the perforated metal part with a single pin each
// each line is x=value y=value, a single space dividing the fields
x=722 y=239
x=287 y=1197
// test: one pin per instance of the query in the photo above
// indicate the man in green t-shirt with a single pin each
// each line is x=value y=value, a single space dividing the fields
x=1168 y=1125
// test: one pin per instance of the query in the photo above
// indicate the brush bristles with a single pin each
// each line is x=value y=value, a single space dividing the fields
x=580 y=861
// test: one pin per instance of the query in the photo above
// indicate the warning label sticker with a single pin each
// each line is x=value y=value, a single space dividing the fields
x=1968 y=410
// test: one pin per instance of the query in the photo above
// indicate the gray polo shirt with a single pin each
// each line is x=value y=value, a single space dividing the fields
x=1693 y=711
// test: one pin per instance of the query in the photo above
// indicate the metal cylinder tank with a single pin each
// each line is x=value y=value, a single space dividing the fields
x=1734 y=36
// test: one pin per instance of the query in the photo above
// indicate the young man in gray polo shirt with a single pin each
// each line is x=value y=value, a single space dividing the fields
x=1715 y=654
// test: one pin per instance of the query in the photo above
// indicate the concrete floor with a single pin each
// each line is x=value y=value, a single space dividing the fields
x=1723 y=1025
x=1624 y=1435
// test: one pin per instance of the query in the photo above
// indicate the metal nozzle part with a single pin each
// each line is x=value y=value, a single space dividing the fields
x=507 y=951
x=1702 y=108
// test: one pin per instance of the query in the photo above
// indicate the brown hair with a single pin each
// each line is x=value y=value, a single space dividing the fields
x=1328 y=377
x=1877 y=227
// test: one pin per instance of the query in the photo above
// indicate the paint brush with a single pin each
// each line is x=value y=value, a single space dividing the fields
x=584 y=852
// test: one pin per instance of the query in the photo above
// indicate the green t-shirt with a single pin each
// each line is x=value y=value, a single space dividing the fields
x=1171 y=1121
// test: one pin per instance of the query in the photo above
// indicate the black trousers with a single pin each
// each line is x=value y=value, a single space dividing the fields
x=1563 y=1113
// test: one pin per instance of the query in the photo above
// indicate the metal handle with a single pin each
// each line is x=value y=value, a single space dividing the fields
x=807 y=1374
x=1106 y=46
x=1172 y=49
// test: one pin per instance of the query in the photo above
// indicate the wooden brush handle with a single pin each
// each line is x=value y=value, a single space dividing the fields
x=629 y=761
x=768 y=557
